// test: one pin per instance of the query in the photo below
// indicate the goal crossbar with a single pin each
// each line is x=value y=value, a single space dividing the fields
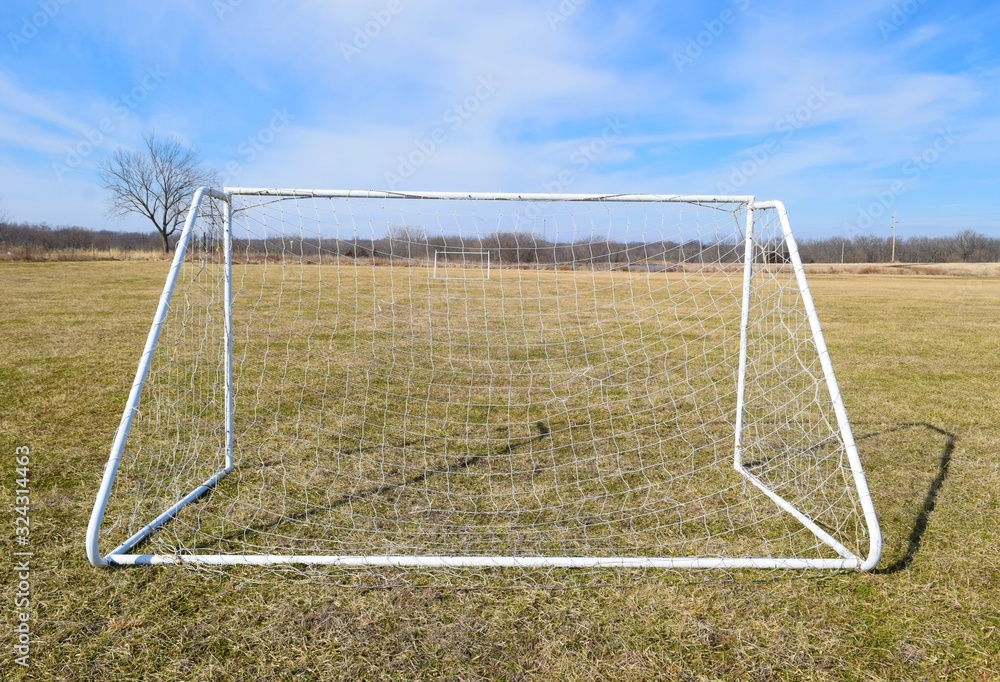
x=488 y=196
x=772 y=488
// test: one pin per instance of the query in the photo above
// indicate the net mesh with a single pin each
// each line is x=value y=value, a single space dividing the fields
x=474 y=378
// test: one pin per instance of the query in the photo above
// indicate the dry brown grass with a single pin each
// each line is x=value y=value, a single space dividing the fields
x=37 y=255
x=919 y=362
x=941 y=269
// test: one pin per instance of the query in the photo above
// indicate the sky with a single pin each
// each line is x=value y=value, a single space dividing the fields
x=847 y=111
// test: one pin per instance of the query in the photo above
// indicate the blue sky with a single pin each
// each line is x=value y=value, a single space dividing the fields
x=847 y=111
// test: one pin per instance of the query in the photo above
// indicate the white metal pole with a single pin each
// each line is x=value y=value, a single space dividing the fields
x=892 y=259
x=227 y=215
x=748 y=255
x=846 y=434
x=425 y=561
x=495 y=196
x=132 y=404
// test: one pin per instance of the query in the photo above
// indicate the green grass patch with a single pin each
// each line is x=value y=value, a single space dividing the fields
x=918 y=359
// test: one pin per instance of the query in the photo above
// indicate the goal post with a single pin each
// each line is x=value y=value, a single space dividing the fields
x=426 y=379
x=470 y=263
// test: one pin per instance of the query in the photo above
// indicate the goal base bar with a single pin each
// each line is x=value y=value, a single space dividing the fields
x=485 y=561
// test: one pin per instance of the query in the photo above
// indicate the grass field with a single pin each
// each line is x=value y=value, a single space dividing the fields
x=383 y=411
x=918 y=358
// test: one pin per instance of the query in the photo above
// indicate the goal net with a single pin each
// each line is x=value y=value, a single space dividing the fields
x=461 y=263
x=599 y=381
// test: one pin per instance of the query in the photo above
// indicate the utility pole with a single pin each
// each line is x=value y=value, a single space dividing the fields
x=893 y=258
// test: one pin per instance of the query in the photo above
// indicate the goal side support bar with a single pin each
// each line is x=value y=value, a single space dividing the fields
x=843 y=423
x=132 y=405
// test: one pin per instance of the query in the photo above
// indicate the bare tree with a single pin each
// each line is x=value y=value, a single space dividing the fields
x=156 y=182
x=4 y=215
x=408 y=241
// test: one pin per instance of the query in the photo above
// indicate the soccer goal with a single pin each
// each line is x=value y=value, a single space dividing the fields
x=460 y=263
x=613 y=381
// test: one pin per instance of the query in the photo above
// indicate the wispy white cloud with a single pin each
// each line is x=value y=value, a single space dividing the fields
x=884 y=96
x=33 y=113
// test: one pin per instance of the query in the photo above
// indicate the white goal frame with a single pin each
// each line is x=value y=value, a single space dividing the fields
x=482 y=264
x=125 y=553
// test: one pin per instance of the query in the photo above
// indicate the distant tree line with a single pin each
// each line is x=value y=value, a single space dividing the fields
x=520 y=248
x=512 y=248
x=966 y=246
x=525 y=248
x=42 y=238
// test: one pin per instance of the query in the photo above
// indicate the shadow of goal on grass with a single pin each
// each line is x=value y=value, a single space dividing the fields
x=381 y=489
x=920 y=459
